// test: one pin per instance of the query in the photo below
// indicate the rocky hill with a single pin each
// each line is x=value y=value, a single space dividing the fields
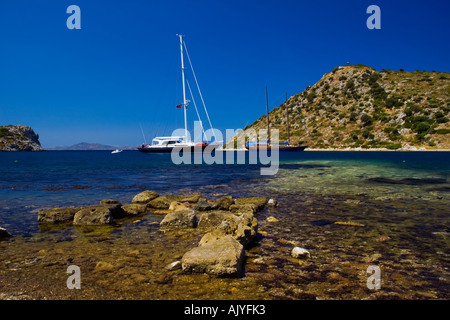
x=356 y=106
x=19 y=138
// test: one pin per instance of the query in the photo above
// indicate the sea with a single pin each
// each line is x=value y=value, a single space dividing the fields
x=353 y=211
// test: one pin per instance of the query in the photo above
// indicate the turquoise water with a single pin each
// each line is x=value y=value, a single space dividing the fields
x=349 y=209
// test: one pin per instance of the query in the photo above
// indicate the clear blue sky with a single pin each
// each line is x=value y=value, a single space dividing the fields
x=122 y=69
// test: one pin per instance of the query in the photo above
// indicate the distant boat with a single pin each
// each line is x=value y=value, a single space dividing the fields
x=267 y=145
x=117 y=151
x=167 y=144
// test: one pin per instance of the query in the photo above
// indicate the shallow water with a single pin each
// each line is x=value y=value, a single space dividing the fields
x=394 y=206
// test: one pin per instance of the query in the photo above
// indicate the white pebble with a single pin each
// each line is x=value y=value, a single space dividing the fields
x=300 y=253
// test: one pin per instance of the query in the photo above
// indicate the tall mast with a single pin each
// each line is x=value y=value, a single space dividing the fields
x=268 y=121
x=287 y=120
x=184 y=88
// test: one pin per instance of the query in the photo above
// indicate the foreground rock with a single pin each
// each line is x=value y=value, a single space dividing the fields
x=180 y=219
x=145 y=197
x=229 y=225
x=213 y=219
x=57 y=215
x=222 y=257
x=257 y=203
x=134 y=209
x=163 y=202
x=223 y=203
x=94 y=215
x=4 y=234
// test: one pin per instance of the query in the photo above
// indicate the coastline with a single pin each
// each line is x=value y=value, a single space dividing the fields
x=358 y=149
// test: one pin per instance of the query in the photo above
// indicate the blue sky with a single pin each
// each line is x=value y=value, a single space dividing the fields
x=121 y=71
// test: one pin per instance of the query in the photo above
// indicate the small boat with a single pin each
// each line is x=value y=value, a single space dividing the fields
x=268 y=145
x=117 y=151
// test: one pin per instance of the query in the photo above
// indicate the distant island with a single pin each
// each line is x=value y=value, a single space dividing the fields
x=19 y=138
x=23 y=138
x=355 y=107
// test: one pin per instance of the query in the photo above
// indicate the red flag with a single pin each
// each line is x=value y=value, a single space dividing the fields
x=179 y=105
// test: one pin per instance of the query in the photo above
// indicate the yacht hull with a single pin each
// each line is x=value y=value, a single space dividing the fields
x=170 y=149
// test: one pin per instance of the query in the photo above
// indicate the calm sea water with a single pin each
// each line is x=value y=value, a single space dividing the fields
x=400 y=200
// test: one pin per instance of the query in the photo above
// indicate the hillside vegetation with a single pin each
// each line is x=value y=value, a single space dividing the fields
x=358 y=107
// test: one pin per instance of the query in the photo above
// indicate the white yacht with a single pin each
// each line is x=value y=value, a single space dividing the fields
x=166 y=144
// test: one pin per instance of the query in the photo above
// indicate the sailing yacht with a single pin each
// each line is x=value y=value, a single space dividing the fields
x=268 y=145
x=167 y=144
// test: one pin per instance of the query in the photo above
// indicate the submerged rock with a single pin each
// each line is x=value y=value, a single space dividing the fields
x=241 y=208
x=57 y=215
x=222 y=257
x=93 y=215
x=110 y=201
x=257 y=202
x=163 y=202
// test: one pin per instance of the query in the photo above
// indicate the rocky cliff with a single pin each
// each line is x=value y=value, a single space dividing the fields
x=356 y=106
x=19 y=138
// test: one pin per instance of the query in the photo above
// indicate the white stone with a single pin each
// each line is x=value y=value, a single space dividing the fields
x=300 y=253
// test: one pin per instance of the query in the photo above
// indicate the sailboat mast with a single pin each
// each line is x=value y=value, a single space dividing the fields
x=287 y=121
x=184 y=88
x=268 y=120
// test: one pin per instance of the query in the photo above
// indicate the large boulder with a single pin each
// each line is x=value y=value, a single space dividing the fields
x=243 y=228
x=222 y=257
x=180 y=219
x=57 y=215
x=145 y=197
x=93 y=215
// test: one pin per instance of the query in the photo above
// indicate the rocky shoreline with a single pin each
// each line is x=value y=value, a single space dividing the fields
x=228 y=226
x=19 y=138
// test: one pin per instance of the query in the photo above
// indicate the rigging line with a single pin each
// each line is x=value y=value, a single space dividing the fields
x=198 y=115
x=143 y=135
x=199 y=91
